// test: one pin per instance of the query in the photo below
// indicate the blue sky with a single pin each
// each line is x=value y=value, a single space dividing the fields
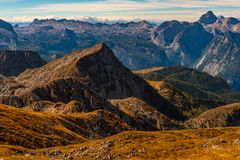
x=112 y=10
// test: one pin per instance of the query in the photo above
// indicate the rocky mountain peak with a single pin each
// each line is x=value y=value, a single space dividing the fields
x=208 y=18
x=101 y=46
x=166 y=32
x=232 y=21
x=98 y=68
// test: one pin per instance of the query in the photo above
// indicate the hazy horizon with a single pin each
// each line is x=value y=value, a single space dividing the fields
x=115 y=10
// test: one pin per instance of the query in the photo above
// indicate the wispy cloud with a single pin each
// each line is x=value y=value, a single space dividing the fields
x=125 y=5
x=130 y=9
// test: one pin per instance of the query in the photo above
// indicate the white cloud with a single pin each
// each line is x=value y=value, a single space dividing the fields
x=117 y=5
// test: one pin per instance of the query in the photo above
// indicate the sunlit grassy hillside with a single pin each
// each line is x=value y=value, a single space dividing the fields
x=201 y=144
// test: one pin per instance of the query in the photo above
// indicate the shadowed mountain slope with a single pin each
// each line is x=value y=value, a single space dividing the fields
x=12 y=63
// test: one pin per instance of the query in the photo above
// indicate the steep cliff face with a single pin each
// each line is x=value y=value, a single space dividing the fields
x=182 y=42
x=191 y=42
x=12 y=63
x=8 y=36
x=222 y=58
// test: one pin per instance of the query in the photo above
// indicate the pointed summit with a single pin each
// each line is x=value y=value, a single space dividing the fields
x=208 y=18
x=101 y=46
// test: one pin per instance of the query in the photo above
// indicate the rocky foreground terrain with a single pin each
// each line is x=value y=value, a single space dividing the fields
x=221 y=143
x=88 y=105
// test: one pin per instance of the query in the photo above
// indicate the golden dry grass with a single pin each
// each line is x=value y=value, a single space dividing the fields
x=201 y=144
x=40 y=130
x=34 y=130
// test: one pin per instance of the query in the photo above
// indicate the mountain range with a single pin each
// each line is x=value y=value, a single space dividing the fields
x=87 y=104
x=94 y=79
x=210 y=44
